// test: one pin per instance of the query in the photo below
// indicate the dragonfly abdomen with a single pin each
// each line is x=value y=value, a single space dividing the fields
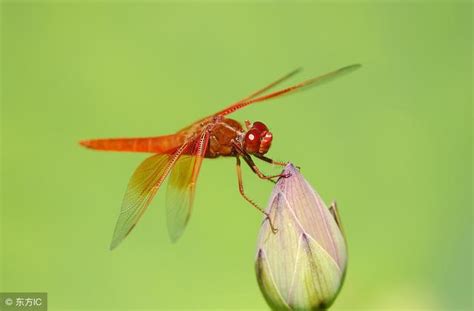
x=161 y=144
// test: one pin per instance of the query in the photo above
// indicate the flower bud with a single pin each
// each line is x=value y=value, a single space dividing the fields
x=302 y=265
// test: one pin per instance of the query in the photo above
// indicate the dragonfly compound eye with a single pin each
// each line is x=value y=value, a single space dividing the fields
x=252 y=141
x=265 y=142
x=258 y=139
x=259 y=126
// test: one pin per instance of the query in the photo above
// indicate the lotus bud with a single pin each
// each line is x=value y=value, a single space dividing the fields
x=302 y=265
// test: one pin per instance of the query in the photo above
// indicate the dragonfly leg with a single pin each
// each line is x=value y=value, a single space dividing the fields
x=242 y=192
x=254 y=167
x=266 y=159
x=259 y=173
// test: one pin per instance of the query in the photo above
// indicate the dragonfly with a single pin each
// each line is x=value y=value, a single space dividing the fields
x=179 y=156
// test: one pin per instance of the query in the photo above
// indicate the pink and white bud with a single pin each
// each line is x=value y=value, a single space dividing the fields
x=302 y=266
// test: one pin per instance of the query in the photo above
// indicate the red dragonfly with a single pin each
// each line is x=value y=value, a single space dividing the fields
x=180 y=155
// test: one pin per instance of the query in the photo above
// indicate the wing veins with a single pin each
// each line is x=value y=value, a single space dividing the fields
x=300 y=86
x=140 y=193
x=182 y=186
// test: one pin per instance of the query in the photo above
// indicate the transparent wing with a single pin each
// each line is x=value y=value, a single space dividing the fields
x=251 y=96
x=141 y=189
x=182 y=186
x=300 y=86
x=271 y=85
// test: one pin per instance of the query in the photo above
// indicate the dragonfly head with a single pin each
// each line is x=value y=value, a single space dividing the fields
x=258 y=139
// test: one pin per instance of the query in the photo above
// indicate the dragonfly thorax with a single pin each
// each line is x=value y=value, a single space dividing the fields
x=224 y=134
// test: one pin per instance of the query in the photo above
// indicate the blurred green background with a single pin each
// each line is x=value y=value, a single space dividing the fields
x=392 y=142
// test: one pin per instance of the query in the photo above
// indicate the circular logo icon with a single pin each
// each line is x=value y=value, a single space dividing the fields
x=8 y=301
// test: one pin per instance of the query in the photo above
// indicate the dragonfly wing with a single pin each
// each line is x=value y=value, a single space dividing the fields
x=297 y=87
x=182 y=186
x=141 y=189
x=271 y=85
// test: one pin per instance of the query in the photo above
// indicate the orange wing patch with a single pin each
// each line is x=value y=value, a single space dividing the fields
x=142 y=187
x=182 y=186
